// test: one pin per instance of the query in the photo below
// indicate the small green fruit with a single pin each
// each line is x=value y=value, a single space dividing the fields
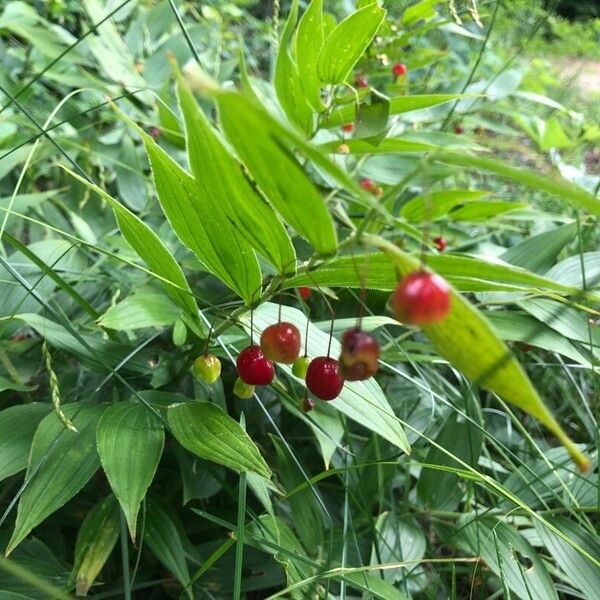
x=300 y=366
x=207 y=368
x=243 y=390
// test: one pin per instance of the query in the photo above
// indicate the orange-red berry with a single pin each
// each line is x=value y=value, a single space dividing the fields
x=280 y=342
x=421 y=298
x=362 y=82
x=399 y=69
x=440 y=243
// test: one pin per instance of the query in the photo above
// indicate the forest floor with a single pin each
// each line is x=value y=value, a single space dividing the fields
x=584 y=72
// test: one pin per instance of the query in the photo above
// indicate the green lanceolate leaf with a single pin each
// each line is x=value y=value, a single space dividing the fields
x=582 y=574
x=439 y=489
x=360 y=147
x=223 y=185
x=508 y=554
x=288 y=83
x=170 y=127
x=571 y=323
x=571 y=272
x=398 y=540
x=130 y=181
x=544 y=183
x=140 y=310
x=93 y=351
x=309 y=41
x=437 y=204
x=304 y=505
x=60 y=463
x=287 y=187
x=202 y=227
x=519 y=327
x=459 y=338
x=208 y=432
x=287 y=137
x=17 y=427
x=465 y=272
x=372 y=118
x=153 y=252
x=362 y=401
x=398 y=105
x=348 y=42
x=164 y=539
x=538 y=253
x=130 y=441
x=96 y=539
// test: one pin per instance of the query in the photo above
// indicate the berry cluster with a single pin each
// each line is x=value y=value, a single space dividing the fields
x=421 y=298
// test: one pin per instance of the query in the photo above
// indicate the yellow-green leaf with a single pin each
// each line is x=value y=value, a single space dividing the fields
x=223 y=185
x=202 y=227
x=292 y=193
x=309 y=41
x=96 y=539
x=347 y=43
x=287 y=80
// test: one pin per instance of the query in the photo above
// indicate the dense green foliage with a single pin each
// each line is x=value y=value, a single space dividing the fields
x=577 y=9
x=174 y=178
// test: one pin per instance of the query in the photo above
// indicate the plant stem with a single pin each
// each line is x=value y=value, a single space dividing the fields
x=239 y=547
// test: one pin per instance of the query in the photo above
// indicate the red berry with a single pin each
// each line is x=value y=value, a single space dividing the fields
x=459 y=129
x=253 y=367
x=440 y=243
x=360 y=353
x=362 y=81
x=368 y=185
x=154 y=133
x=305 y=292
x=348 y=127
x=399 y=69
x=281 y=342
x=421 y=298
x=323 y=378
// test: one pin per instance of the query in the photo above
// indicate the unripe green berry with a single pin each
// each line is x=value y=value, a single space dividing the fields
x=300 y=366
x=207 y=368
x=243 y=390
